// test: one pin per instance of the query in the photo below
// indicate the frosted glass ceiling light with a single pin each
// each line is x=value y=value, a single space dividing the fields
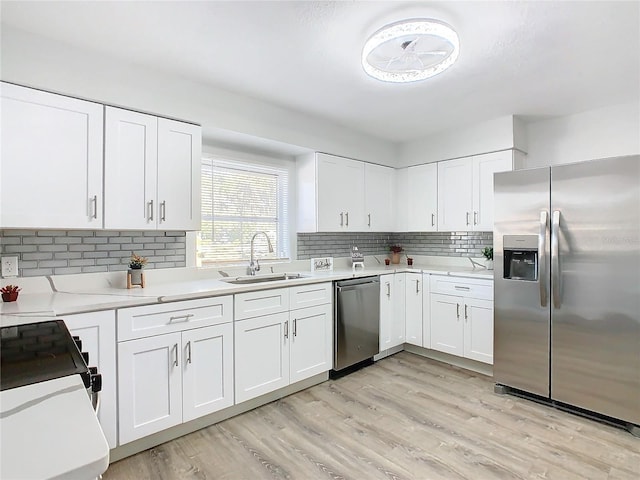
x=410 y=50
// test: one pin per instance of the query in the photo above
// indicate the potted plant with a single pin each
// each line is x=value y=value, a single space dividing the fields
x=136 y=264
x=10 y=293
x=395 y=253
x=487 y=253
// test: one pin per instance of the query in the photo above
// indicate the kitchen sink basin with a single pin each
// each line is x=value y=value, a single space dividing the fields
x=248 y=280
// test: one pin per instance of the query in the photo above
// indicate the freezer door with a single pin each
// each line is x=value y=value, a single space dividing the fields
x=595 y=317
x=521 y=306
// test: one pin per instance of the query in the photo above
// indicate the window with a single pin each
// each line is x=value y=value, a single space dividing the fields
x=238 y=200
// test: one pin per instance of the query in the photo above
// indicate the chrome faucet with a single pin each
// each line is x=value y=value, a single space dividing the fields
x=254 y=265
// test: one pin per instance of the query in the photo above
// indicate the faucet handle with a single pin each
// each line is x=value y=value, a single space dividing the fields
x=257 y=267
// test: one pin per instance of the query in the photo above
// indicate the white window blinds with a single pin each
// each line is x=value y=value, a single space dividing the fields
x=238 y=200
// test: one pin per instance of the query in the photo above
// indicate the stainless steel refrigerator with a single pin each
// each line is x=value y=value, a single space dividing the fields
x=567 y=285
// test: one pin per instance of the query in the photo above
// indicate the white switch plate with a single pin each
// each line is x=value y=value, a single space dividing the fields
x=9 y=266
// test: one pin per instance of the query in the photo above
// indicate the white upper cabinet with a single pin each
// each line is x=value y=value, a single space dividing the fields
x=455 y=196
x=484 y=166
x=152 y=172
x=378 y=197
x=465 y=191
x=340 y=194
x=50 y=160
x=179 y=167
x=130 y=169
x=422 y=202
x=337 y=194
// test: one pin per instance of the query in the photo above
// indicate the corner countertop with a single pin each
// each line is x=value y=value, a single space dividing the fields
x=73 y=294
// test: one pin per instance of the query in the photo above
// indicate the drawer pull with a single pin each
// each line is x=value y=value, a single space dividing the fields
x=458 y=287
x=181 y=318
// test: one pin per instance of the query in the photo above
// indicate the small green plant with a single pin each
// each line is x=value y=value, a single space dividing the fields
x=8 y=289
x=487 y=252
x=137 y=262
x=395 y=248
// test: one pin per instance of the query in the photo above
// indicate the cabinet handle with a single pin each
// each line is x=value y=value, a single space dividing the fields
x=295 y=327
x=341 y=219
x=369 y=222
x=458 y=310
x=175 y=353
x=458 y=287
x=475 y=218
x=189 y=351
x=417 y=286
x=433 y=219
x=347 y=217
x=467 y=218
x=466 y=316
x=286 y=329
x=182 y=318
x=388 y=289
x=151 y=210
x=94 y=209
x=163 y=211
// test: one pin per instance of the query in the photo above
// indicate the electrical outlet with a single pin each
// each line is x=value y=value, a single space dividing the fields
x=9 y=266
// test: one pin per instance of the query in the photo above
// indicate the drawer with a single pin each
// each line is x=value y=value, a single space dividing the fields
x=465 y=287
x=310 y=295
x=139 y=322
x=263 y=302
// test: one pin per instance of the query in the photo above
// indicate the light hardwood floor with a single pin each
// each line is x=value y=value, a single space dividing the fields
x=406 y=417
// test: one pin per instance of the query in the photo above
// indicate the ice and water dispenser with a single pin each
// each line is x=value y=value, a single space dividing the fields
x=520 y=257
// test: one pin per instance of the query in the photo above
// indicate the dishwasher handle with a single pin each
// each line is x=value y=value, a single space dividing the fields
x=348 y=288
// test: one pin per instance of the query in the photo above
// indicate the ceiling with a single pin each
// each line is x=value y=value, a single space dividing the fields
x=534 y=59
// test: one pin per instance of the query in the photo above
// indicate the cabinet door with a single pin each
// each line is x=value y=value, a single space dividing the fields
x=340 y=201
x=478 y=330
x=413 y=323
x=378 y=198
x=97 y=331
x=423 y=198
x=179 y=167
x=455 y=195
x=261 y=355
x=130 y=169
x=207 y=370
x=399 y=310
x=447 y=327
x=426 y=310
x=484 y=166
x=149 y=386
x=387 y=290
x=311 y=341
x=51 y=160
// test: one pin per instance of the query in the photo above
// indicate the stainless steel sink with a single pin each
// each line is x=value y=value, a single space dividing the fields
x=262 y=278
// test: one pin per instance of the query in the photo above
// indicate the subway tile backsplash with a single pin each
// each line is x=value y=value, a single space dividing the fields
x=60 y=252
x=443 y=244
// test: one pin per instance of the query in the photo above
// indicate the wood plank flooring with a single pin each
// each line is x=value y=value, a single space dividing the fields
x=405 y=417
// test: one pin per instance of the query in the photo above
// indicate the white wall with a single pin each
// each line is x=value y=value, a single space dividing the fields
x=606 y=132
x=35 y=61
x=485 y=137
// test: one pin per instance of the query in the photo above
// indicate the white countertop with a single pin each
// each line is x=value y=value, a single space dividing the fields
x=71 y=294
x=48 y=430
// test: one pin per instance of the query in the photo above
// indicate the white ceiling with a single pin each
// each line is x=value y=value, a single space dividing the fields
x=537 y=58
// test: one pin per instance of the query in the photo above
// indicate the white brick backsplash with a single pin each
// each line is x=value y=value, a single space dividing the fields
x=59 y=252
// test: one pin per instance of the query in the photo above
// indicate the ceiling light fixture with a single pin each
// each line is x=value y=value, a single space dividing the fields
x=410 y=50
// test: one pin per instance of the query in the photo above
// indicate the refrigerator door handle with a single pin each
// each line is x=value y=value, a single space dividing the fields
x=542 y=257
x=555 y=258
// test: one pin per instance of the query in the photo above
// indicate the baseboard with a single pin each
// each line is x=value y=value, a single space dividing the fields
x=478 y=367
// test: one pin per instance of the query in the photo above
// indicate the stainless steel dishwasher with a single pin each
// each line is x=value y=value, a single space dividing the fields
x=356 y=321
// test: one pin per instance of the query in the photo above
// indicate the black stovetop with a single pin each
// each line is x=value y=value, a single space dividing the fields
x=37 y=352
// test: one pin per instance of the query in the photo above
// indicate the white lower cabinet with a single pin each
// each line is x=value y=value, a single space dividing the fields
x=275 y=350
x=414 y=287
x=170 y=378
x=392 y=310
x=97 y=331
x=462 y=324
